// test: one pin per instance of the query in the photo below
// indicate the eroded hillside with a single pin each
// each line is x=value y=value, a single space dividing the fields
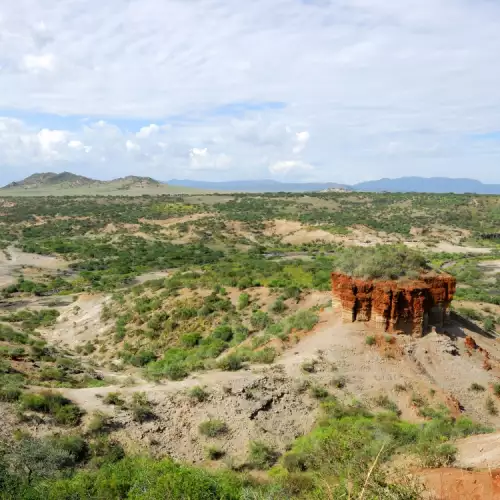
x=201 y=328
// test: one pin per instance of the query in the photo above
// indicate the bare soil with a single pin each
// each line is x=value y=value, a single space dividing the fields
x=458 y=484
x=13 y=262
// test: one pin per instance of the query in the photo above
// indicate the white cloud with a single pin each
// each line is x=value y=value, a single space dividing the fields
x=302 y=138
x=197 y=153
x=146 y=132
x=289 y=167
x=201 y=159
x=369 y=88
x=76 y=144
x=51 y=140
x=132 y=146
x=45 y=62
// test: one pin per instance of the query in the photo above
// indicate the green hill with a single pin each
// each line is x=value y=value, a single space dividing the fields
x=46 y=179
x=68 y=184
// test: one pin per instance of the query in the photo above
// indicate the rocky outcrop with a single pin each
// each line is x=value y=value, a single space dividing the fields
x=402 y=306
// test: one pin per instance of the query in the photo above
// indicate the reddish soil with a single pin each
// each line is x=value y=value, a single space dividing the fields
x=459 y=484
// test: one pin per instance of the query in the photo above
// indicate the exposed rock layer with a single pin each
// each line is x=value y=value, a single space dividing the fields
x=395 y=306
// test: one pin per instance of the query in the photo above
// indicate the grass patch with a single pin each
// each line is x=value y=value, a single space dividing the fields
x=213 y=428
x=61 y=409
x=261 y=456
x=198 y=394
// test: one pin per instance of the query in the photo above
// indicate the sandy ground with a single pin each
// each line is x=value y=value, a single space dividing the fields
x=479 y=452
x=490 y=266
x=297 y=233
x=444 y=246
x=11 y=267
x=79 y=322
x=166 y=223
x=154 y=275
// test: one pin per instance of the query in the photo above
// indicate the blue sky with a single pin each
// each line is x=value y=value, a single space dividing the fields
x=295 y=90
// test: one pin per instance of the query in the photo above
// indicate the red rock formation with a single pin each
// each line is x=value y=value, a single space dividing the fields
x=395 y=306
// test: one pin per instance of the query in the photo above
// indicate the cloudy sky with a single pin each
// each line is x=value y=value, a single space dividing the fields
x=333 y=90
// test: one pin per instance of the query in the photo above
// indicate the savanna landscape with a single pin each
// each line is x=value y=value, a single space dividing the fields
x=182 y=344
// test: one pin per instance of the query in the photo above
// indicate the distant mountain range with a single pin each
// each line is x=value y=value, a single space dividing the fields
x=67 y=181
x=428 y=185
x=403 y=185
x=257 y=186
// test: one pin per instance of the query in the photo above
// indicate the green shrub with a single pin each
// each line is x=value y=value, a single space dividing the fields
x=381 y=261
x=198 y=393
x=213 y=428
x=491 y=407
x=489 y=324
x=436 y=455
x=142 y=358
x=100 y=422
x=61 y=409
x=113 y=398
x=260 y=320
x=105 y=451
x=89 y=348
x=4 y=366
x=476 y=387
x=243 y=301
x=304 y=320
x=261 y=456
x=10 y=394
x=339 y=382
x=384 y=402
x=278 y=306
x=68 y=414
x=370 y=340
x=308 y=366
x=52 y=373
x=319 y=392
x=223 y=332
x=266 y=355
x=191 y=340
x=231 y=362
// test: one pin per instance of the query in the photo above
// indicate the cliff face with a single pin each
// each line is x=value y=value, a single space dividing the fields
x=395 y=306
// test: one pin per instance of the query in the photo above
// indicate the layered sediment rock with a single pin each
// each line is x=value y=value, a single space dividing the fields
x=406 y=306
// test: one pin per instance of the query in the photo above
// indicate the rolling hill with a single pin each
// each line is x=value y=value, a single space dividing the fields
x=67 y=183
x=46 y=179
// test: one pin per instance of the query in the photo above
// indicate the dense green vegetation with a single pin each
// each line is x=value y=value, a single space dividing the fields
x=383 y=261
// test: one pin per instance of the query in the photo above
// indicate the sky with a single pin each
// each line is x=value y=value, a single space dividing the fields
x=293 y=90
